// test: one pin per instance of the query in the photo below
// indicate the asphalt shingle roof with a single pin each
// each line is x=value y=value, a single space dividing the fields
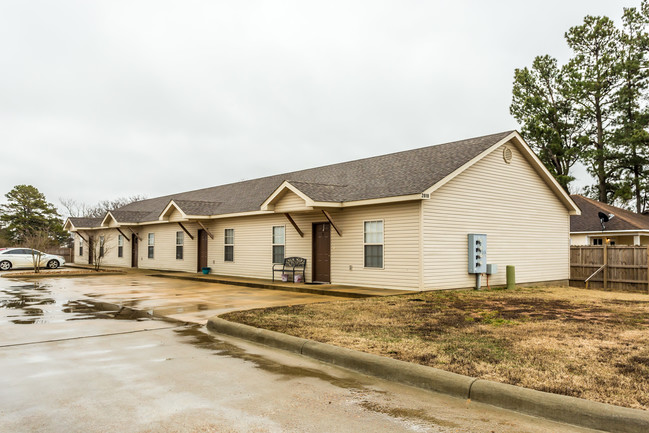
x=588 y=221
x=86 y=222
x=396 y=174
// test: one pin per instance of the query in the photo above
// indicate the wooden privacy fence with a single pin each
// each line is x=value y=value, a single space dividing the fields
x=624 y=268
x=65 y=252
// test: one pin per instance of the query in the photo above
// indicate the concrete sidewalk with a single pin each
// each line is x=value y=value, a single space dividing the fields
x=178 y=299
x=561 y=408
x=317 y=289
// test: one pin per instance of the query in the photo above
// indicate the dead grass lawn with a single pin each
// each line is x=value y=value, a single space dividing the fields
x=588 y=344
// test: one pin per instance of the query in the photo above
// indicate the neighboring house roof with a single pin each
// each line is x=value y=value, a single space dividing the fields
x=83 y=222
x=400 y=174
x=588 y=221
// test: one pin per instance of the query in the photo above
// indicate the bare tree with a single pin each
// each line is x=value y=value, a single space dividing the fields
x=37 y=241
x=79 y=209
x=98 y=246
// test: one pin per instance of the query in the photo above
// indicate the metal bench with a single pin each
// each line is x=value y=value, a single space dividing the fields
x=291 y=265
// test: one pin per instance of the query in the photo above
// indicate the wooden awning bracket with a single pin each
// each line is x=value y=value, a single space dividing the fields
x=80 y=235
x=122 y=233
x=331 y=221
x=294 y=224
x=133 y=231
x=209 y=233
x=185 y=230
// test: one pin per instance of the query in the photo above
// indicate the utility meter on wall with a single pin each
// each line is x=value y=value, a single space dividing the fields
x=477 y=253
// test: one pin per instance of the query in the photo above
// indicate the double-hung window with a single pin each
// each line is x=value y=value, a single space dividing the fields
x=278 y=244
x=180 y=243
x=120 y=246
x=151 y=244
x=228 y=242
x=80 y=246
x=101 y=246
x=373 y=244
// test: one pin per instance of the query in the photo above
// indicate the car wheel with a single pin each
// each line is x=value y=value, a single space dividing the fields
x=5 y=265
x=53 y=264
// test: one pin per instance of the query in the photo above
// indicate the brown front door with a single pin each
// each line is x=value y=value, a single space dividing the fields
x=202 y=250
x=321 y=252
x=91 y=250
x=134 y=251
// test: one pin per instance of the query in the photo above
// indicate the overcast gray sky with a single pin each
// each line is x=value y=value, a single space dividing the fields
x=103 y=99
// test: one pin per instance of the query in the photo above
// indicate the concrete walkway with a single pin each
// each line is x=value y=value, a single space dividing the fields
x=73 y=369
x=338 y=290
x=179 y=299
x=317 y=289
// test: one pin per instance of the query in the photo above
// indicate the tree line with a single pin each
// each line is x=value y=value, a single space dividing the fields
x=29 y=220
x=593 y=109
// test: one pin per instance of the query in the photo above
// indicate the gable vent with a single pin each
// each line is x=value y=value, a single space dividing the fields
x=507 y=155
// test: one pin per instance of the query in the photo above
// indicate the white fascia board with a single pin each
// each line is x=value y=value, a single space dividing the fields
x=171 y=204
x=69 y=226
x=104 y=222
x=242 y=214
x=546 y=175
x=384 y=200
x=611 y=232
x=536 y=163
x=286 y=185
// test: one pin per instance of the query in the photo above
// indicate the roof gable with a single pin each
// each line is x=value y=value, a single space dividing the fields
x=76 y=223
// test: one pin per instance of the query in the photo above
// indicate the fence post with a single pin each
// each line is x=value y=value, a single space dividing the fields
x=605 y=263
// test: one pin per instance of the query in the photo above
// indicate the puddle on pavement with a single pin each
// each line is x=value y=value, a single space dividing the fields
x=38 y=303
x=194 y=335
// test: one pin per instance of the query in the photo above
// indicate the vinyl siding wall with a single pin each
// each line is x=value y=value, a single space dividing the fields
x=525 y=223
x=289 y=202
x=253 y=245
x=83 y=259
x=164 y=251
x=110 y=249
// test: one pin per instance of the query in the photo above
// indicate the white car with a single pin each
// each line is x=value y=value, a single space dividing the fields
x=16 y=258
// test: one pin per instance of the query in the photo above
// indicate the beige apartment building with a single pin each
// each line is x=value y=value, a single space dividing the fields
x=394 y=221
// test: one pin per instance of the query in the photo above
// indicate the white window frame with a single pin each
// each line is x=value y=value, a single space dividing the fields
x=227 y=245
x=80 y=246
x=382 y=244
x=273 y=244
x=150 y=246
x=181 y=245
x=102 y=242
x=120 y=246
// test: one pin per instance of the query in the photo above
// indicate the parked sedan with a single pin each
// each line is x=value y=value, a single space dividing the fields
x=16 y=258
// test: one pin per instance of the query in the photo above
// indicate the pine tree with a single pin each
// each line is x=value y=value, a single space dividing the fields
x=27 y=213
x=550 y=120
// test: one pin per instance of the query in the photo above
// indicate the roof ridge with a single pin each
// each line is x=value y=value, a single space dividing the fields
x=286 y=175
x=314 y=183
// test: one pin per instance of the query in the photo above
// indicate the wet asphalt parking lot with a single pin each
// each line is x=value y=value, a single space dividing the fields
x=68 y=366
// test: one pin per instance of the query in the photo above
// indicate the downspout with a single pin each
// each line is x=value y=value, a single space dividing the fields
x=421 y=245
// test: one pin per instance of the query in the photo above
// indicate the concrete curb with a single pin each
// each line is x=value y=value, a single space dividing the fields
x=63 y=274
x=266 y=286
x=555 y=407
